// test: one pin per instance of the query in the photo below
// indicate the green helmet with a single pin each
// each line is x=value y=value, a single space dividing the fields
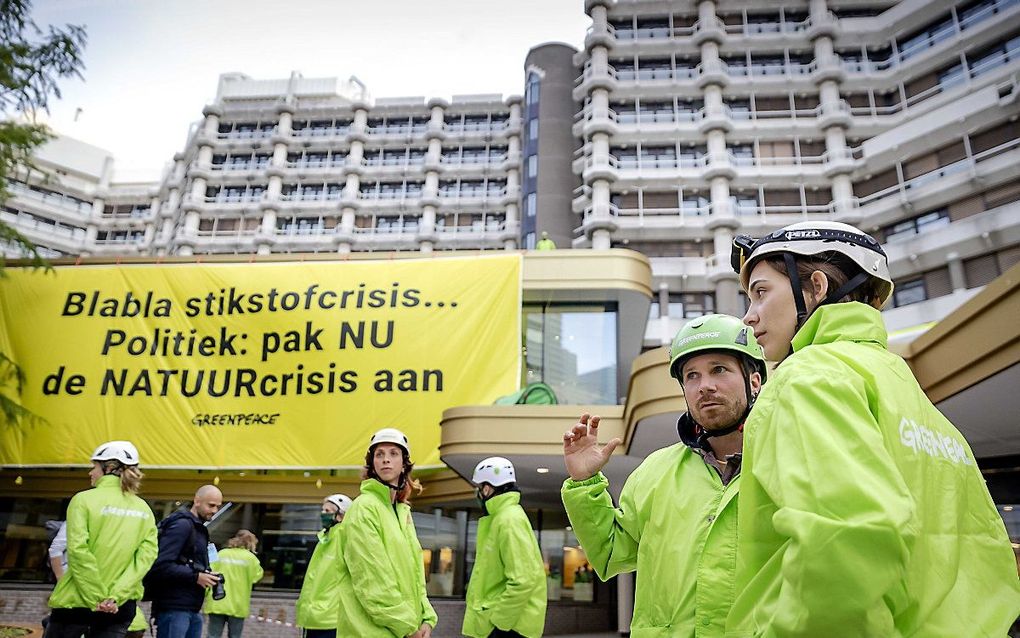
x=714 y=333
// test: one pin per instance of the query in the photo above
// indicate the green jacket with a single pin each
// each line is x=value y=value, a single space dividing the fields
x=507 y=587
x=862 y=511
x=319 y=601
x=382 y=581
x=676 y=525
x=111 y=543
x=241 y=570
x=139 y=623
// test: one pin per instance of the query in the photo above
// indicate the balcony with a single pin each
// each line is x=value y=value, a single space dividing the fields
x=321 y=132
x=247 y=134
x=65 y=203
x=908 y=190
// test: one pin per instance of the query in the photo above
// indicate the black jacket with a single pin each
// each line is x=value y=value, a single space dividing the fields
x=183 y=553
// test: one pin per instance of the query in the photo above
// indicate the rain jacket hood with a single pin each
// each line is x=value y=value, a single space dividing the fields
x=319 y=601
x=111 y=543
x=507 y=590
x=382 y=582
x=862 y=509
x=241 y=570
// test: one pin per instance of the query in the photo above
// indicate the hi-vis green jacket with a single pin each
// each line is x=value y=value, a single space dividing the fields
x=319 y=601
x=241 y=570
x=382 y=577
x=111 y=543
x=676 y=525
x=507 y=587
x=862 y=511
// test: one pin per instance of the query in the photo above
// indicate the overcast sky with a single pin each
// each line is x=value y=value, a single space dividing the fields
x=150 y=66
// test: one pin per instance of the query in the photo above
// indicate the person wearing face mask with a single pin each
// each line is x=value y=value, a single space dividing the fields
x=676 y=523
x=319 y=601
x=382 y=579
x=111 y=543
x=862 y=510
x=506 y=595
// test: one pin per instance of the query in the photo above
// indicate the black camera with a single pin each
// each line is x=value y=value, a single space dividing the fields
x=218 y=591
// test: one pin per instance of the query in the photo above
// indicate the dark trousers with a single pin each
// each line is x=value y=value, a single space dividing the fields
x=320 y=633
x=73 y=623
x=234 y=625
x=499 y=633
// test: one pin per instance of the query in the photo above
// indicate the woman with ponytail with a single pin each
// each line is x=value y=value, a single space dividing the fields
x=382 y=583
x=111 y=543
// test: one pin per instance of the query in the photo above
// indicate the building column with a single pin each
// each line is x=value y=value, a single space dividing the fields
x=512 y=223
x=427 y=229
x=267 y=232
x=957 y=275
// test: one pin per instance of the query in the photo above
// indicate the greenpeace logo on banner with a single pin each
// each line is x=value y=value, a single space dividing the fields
x=922 y=439
x=110 y=510
x=235 y=419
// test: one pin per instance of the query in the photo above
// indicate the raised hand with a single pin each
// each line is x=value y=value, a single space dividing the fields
x=581 y=452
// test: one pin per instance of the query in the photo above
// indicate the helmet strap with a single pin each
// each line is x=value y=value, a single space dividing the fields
x=856 y=282
x=798 y=292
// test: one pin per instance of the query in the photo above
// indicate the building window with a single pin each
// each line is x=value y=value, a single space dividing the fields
x=572 y=348
x=533 y=129
x=908 y=292
x=917 y=225
x=533 y=166
x=532 y=91
x=531 y=205
x=529 y=241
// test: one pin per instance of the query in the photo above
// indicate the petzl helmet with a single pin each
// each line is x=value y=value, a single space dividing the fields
x=715 y=333
x=495 y=471
x=123 y=451
x=816 y=238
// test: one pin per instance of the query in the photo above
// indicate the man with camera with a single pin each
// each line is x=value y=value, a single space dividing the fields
x=178 y=579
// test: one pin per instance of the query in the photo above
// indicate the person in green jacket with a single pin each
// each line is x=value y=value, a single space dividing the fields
x=111 y=543
x=862 y=509
x=506 y=595
x=319 y=602
x=382 y=574
x=241 y=570
x=676 y=523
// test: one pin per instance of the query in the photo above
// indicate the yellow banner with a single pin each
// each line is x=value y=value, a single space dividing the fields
x=255 y=365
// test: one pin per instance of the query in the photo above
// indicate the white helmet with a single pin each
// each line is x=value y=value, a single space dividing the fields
x=123 y=451
x=495 y=471
x=813 y=238
x=391 y=435
x=341 y=501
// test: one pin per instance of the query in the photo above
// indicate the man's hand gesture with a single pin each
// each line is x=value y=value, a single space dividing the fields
x=581 y=452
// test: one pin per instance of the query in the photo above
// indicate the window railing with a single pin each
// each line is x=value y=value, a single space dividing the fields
x=240 y=166
x=224 y=232
x=322 y=131
x=246 y=134
x=472 y=160
x=332 y=162
x=233 y=198
x=25 y=221
x=51 y=198
x=934 y=175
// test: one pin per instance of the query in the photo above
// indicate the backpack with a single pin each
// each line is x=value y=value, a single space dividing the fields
x=151 y=587
x=531 y=394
